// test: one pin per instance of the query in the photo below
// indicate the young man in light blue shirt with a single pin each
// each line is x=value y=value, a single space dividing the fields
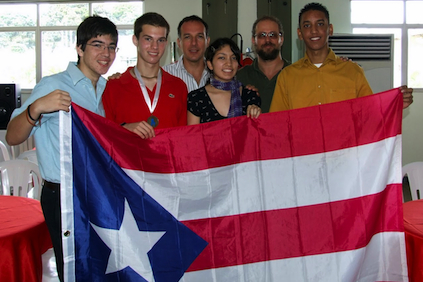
x=82 y=84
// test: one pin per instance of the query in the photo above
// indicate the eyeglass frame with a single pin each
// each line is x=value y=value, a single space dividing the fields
x=103 y=46
x=270 y=35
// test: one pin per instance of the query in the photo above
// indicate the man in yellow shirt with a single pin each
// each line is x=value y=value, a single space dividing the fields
x=320 y=77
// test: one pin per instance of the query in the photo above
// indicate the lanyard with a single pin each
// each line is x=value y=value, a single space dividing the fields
x=151 y=105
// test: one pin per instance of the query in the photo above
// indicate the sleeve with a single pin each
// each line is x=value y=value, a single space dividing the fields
x=363 y=86
x=107 y=102
x=193 y=101
x=280 y=97
x=43 y=88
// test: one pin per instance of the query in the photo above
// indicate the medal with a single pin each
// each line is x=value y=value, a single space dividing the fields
x=153 y=121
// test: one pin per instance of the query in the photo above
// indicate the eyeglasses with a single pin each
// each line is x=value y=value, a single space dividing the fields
x=271 y=35
x=102 y=46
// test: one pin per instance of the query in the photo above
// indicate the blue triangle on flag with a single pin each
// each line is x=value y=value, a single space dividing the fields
x=100 y=188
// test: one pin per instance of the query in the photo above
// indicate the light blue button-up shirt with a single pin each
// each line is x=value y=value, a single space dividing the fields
x=46 y=136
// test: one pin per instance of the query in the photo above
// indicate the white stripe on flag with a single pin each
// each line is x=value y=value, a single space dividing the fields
x=341 y=266
x=66 y=195
x=290 y=182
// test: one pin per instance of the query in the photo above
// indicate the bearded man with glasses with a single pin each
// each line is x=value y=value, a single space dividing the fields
x=267 y=39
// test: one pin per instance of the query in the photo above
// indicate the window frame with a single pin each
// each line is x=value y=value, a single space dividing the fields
x=404 y=27
x=38 y=29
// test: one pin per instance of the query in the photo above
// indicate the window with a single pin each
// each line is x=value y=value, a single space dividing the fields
x=403 y=19
x=39 y=39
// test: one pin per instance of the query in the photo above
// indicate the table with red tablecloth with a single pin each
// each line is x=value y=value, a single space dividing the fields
x=24 y=238
x=413 y=226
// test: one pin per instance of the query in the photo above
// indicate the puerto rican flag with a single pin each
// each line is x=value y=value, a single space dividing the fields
x=311 y=194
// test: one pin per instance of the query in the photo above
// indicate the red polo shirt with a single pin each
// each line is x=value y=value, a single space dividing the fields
x=123 y=101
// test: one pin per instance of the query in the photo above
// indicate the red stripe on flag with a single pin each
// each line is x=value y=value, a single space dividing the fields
x=286 y=134
x=294 y=232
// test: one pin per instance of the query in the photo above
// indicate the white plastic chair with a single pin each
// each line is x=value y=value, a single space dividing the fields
x=5 y=151
x=20 y=178
x=49 y=267
x=414 y=171
x=28 y=144
x=30 y=155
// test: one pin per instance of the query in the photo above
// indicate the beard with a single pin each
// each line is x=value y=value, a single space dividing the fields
x=270 y=55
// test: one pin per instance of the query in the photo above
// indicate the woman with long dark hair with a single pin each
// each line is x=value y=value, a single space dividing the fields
x=224 y=96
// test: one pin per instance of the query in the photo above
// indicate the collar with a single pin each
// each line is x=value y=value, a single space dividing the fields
x=128 y=78
x=256 y=66
x=77 y=75
x=180 y=64
x=331 y=57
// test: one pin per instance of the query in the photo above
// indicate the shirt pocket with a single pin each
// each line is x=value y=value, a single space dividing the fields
x=342 y=94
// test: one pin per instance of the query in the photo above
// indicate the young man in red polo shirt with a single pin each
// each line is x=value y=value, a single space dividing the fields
x=146 y=97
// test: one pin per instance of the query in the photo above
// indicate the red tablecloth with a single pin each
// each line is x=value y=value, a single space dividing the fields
x=413 y=225
x=24 y=238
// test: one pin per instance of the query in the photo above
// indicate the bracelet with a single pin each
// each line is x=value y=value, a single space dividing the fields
x=29 y=115
x=28 y=119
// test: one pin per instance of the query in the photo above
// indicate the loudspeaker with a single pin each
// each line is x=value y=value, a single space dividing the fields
x=10 y=99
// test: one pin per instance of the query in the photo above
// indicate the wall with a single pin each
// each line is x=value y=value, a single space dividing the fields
x=412 y=133
x=247 y=14
x=173 y=12
x=340 y=17
x=339 y=11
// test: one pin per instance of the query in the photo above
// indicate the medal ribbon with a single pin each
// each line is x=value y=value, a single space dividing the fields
x=151 y=105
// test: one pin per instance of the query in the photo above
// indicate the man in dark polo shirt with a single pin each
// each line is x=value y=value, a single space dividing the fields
x=267 y=39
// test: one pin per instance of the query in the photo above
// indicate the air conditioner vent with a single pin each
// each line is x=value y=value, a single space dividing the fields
x=362 y=46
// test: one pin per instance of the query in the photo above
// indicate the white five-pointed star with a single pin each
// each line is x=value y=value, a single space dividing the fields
x=129 y=245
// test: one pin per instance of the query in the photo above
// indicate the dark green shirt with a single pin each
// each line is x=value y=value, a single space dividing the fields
x=252 y=75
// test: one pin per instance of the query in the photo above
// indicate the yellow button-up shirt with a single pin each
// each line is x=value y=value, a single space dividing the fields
x=302 y=84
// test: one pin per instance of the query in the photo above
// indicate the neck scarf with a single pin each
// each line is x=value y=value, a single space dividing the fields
x=235 y=108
